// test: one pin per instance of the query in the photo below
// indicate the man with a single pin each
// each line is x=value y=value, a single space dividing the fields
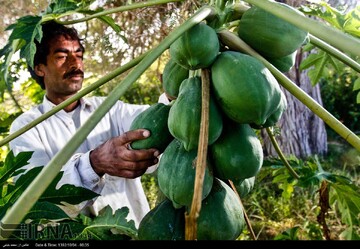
x=103 y=163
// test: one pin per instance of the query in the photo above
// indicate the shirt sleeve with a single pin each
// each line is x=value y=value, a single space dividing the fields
x=29 y=142
x=79 y=172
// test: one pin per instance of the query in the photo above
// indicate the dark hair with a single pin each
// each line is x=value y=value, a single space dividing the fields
x=51 y=30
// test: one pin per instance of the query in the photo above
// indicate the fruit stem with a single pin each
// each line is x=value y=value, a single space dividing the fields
x=281 y=155
x=191 y=218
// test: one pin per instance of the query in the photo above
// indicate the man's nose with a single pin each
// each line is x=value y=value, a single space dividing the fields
x=75 y=61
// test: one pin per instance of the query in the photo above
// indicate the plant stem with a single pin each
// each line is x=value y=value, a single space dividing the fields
x=328 y=34
x=335 y=52
x=191 y=218
x=234 y=42
x=247 y=220
x=115 y=10
x=28 y=198
x=281 y=155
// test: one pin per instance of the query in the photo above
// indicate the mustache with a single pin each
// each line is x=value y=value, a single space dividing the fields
x=73 y=72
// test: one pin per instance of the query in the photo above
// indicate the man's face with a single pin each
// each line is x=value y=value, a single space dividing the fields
x=64 y=72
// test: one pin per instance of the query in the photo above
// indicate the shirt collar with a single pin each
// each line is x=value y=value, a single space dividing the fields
x=84 y=103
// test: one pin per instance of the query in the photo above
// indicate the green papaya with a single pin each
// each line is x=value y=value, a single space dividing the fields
x=244 y=186
x=173 y=75
x=163 y=222
x=196 y=48
x=185 y=115
x=238 y=153
x=176 y=174
x=153 y=119
x=275 y=116
x=221 y=216
x=285 y=63
x=244 y=88
x=271 y=36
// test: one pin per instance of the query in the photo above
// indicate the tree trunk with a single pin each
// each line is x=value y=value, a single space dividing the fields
x=302 y=133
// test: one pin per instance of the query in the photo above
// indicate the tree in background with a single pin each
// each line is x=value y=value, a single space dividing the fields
x=301 y=132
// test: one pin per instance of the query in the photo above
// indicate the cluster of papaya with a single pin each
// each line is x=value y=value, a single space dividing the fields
x=244 y=95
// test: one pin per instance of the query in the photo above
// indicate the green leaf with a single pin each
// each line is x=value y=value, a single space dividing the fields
x=346 y=197
x=319 y=64
x=108 y=226
x=45 y=210
x=66 y=193
x=352 y=23
x=356 y=85
x=358 y=98
x=288 y=234
x=28 y=29
x=61 y=6
x=14 y=191
x=12 y=164
x=7 y=52
x=349 y=23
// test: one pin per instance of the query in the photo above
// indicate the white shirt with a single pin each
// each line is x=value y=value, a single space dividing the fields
x=51 y=135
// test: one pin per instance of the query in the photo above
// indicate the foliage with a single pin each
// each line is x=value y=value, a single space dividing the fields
x=54 y=204
x=276 y=203
x=339 y=98
x=347 y=21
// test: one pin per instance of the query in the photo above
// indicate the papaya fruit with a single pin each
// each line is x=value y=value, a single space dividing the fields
x=163 y=222
x=176 y=174
x=285 y=63
x=275 y=116
x=244 y=88
x=269 y=35
x=173 y=75
x=221 y=216
x=185 y=115
x=153 y=119
x=196 y=48
x=238 y=153
x=244 y=186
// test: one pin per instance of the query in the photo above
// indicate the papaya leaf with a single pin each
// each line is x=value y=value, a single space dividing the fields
x=14 y=191
x=350 y=233
x=319 y=65
x=7 y=52
x=318 y=71
x=45 y=210
x=352 y=23
x=348 y=23
x=28 y=29
x=346 y=197
x=109 y=226
x=61 y=6
x=288 y=234
x=356 y=85
x=13 y=163
x=358 y=98
x=66 y=193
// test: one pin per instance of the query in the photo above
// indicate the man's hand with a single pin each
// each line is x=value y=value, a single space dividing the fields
x=115 y=157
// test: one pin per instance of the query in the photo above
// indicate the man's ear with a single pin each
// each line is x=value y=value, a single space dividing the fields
x=39 y=71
